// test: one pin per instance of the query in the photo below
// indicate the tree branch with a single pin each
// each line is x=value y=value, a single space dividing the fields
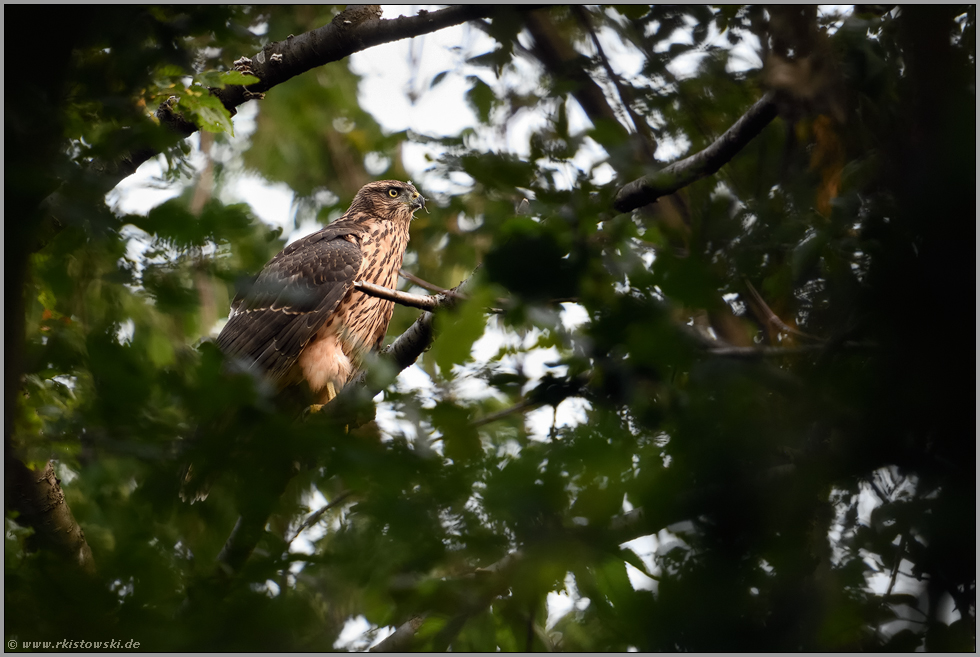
x=40 y=501
x=357 y=28
x=422 y=302
x=401 y=639
x=680 y=174
x=773 y=352
x=314 y=517
x=424 y=284
x=562 y=61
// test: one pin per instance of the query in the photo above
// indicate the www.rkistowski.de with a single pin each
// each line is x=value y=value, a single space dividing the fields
x=68 y=644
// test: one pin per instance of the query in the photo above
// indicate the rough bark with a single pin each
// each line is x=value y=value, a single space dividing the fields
x=40 y=503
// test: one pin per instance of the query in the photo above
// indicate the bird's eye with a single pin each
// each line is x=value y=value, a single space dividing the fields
x=392 y=192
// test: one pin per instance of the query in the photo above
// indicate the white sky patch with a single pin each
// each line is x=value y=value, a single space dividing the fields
x=409 y=66
x=271 y=202
x=570 y=413
x=144 y=190
x=562 y=602
x=352 y=637
x=573 y=316
x=303 y=544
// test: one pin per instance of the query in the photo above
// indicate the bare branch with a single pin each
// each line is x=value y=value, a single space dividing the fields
x=404 y=298
x=680 y=174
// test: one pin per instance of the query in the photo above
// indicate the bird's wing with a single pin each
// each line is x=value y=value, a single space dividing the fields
x=291 y=299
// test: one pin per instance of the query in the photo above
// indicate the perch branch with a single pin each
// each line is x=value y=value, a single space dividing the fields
x=419 y=301
x=682 y=173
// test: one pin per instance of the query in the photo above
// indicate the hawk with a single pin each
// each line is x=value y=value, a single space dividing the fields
x=302 y=319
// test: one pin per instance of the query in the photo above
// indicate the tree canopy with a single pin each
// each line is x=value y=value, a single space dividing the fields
x=691 y=379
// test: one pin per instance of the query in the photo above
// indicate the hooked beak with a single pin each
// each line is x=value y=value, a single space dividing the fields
x=418 y=201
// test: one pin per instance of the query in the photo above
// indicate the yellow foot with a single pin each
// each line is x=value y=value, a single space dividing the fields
x=313 y=408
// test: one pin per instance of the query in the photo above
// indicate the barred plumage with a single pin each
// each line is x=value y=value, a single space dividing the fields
x=302 y=319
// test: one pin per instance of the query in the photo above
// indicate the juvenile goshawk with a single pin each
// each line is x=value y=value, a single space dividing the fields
x=302 y=319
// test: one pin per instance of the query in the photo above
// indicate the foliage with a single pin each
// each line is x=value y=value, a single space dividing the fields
x=752 y=476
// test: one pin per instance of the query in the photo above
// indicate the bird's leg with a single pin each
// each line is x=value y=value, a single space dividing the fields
x=328 y=394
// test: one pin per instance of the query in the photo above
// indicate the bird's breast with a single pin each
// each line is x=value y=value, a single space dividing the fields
x=367 y=317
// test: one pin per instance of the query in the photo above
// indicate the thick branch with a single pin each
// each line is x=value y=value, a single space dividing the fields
x=357 y=28
x=700 y=165
x=401 y=639
x=40 y=502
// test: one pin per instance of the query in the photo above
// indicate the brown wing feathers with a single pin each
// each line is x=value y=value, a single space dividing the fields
x=291 y=299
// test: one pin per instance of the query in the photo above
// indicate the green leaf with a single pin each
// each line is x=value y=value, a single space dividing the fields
x=458 y=330
x=237 y=77
x=439 y=77
x=481 y=98
x=206 y=110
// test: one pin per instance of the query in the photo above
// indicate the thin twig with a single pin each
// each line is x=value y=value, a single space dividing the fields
x=431 y=287
x=314 y=517
x=898 y=562
x=493 y=417
x=625 y=93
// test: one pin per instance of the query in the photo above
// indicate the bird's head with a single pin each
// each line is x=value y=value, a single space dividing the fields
x=391 y=198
